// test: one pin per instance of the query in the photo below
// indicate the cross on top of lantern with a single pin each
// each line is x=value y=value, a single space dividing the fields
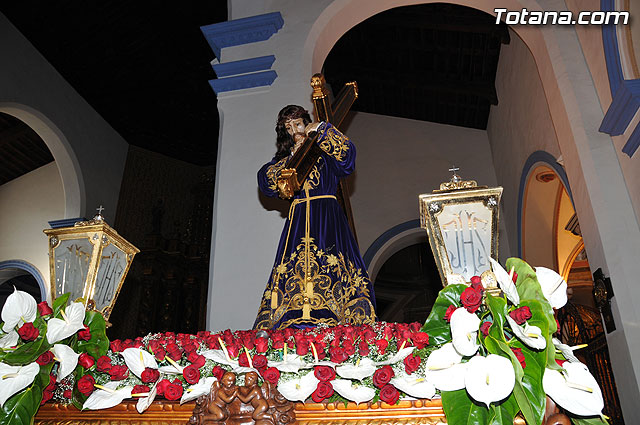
x=89 y=260
x=461 y=219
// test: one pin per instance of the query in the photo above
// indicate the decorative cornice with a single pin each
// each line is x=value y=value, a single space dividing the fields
x=65 y=222
x=242 y=31
x=244 y=66
x=239 y=82
x=623 y=107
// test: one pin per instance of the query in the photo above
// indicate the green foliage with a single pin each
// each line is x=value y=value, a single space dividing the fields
x=27 y=353
x=59 y=304
x=438 y=329
x=589 y=421
x=98 y=345
x=461 y=410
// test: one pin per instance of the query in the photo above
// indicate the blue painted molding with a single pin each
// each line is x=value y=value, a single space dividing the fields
x=238 y=82
x=244 y=66
x=386 y=236
x=65 y=222
x=242 y=31
x=534 y=159
x=625 y=93
x=623 y=107
x=28 y=267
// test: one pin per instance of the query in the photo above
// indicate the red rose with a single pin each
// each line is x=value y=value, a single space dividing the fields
x=411 y=363
x=484 y=328
x=415 y=326
x=520 y=356
x=521 y=315
x=420 y=339
x=382 y=345
x=44 y=309
x=302 y=346
x=475 y=279
x=217 y=371
x=233 y=350
x=449 y=312
x=243 y=360
x=363 y=349
x=515 y=277
x=28 y=332
x=388 y=331
x=46 y=396
x=324 y=373
x=173 y=392
x=84 y=334
x=382 y=376
x=259 y=361
x=196 y=359
x=337 y=354
x=271 y=374
x=116 y=346
x=389 y=394
x=349 y=349
x=478 y=286
x=86 y=361
x=323 y=390
x=119 y=372
x=67 y=394
x=262 y=345
x=45 y=358
x=162 y=386
x=104 y=364
x=160 y=354
x=52 y=383
x=149 y=375
x=140 y=389
x=85 y=384
x=191 y=374
x=319 y=346
x=471 y=299
x=189 y=347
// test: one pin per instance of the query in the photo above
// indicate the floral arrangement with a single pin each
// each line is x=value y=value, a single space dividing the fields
x=490 y=357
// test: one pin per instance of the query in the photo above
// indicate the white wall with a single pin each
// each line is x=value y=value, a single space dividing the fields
x=89 y=153
x=399 y=159
x=26 y=204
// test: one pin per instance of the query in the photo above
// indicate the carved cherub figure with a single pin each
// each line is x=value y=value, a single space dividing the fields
x=252 y=394
x=223 y=393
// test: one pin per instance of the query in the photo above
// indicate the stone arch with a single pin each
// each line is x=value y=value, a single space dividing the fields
x=29 y=268
x=66 y=161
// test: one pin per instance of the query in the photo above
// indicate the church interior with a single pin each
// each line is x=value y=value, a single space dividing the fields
x=120 y=105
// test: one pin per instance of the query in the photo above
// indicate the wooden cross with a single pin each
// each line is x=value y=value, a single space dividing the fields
x=301 y=163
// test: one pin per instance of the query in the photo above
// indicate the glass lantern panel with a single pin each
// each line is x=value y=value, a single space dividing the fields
x=466 y=232
x=110 y=271
x=72 y=259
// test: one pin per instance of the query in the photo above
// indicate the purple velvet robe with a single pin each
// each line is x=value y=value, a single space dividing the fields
x=318 y=275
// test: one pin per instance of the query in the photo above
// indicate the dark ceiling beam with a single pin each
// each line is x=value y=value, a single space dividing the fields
x=11 y=134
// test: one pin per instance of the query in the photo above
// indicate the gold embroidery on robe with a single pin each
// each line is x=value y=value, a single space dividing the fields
x=346 y=297
x=273 y=171
x=335 y=144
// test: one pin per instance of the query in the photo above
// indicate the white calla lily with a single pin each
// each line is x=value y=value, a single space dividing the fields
x=529 y=334
x=414 y=386
x=397 y=357
x=299 y=389
x=444 y=370
x=14 y=379
x=9 y=340
x=490 y=378
x=366 y=367
x=144 y=402
x=576 y=390
x=554 y=288
x=353 y=391
x=464 y=331
x=19 y=306
x=292 y=364
x=138 y=360
x=203 y=387
x=504 y=281
x=217 y=356
x=72 y=322
x=67 y=358
x=566 y=351
x=107 y=396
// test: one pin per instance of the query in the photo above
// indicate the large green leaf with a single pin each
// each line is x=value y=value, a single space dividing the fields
x=532 y=379
x=504 y=412
x=438 y=329
x=27 y=353
x=98 y=345
x=461 y=410
x=529 y=288
x=20 y=408
x=597 y=420
x=59 y=303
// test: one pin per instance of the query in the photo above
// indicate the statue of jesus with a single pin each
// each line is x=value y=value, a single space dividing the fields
x=318 y=275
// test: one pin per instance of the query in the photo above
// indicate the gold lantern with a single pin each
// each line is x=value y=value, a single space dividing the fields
x=90 y=261
x=461 y=219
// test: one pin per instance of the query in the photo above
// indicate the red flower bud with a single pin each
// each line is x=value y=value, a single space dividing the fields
x=45 y=358
x=28 y=332
x=84 y=334
x=449 y=312
x=86 y=361
x=44 y=309
x=85 y=384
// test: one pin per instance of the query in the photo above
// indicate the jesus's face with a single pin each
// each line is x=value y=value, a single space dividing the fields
x=295 y=126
